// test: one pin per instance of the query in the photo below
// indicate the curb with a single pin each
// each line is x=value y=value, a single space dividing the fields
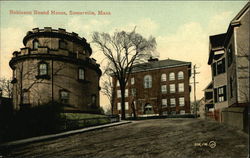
x=58 y=135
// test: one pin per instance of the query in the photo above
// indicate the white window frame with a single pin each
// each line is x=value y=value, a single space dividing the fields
x=132 y=81
x=181 y=101
x=172 y=88
x=126 y=106
x=43 y=69
x=164 y=88
x=81 y=74
x=119 y=106
x=171 y=76
x=164 y=102
x=172 y=102
x=180 y=75
x=133 y=92
x=180 y=87
x=117 y=83
x=118 y=93
x=148 y=81
x=126 y=92
x=163 y=77
x=64 y=96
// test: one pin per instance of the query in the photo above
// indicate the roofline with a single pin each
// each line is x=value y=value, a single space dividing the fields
x=186 y=64
x=235 y=22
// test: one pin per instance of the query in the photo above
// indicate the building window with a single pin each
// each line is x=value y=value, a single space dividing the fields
x=172 y=102
x=133 y=92
x=148 y=81
x=180 y=75
x=64 y=97
x=118 y=106
x=81 y=74
x=118 y=93
x=229 y=55
x=132 y=81
x=181 y=87
x=172 y=88
x=181 y=101
x=62 y=44
x=222 y=94
x=117 y=83
x=164 y=102
x=164 y=88
x=126 y=92
x=163 y=77
x=182 y=112
x=221 y=66
x=42 y=69
x=35 y=44
x=126 y=105
x=171 y=76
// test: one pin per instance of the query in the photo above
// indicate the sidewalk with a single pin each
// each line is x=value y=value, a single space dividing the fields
x=63 y=134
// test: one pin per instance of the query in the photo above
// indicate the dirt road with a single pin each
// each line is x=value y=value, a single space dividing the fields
x=163 y=138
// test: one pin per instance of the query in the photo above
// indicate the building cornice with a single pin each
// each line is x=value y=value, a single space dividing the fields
x=86 y=62
x=53 y=33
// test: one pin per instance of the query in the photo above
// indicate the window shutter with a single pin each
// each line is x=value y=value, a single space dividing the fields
x=225 y=92
x=215 y=95
x=223 y=65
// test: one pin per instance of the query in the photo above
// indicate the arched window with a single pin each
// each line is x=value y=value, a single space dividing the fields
x=163 y=77
x=148 y=81
x=42 y=69
x=171 y=76
x=180 y=75
x=35 y=44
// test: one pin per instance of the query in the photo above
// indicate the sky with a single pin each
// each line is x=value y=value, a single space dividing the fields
x=181 y=28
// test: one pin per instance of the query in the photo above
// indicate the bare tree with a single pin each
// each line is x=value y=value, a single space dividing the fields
x=6 y=86
x=123 y=50
x=107 y=90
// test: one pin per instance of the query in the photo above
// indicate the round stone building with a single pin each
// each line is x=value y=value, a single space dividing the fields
x=55 y=65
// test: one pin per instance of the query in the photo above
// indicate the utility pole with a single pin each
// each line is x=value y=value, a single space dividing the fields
x=194 y=77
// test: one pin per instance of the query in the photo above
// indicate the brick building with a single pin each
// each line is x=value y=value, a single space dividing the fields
x=55 y=65
x=229 y=61
x=156 y=88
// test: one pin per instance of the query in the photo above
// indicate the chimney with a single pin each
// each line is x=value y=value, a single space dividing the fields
x=151 y=59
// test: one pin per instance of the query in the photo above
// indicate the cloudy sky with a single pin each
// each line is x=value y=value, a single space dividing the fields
x=181 y=28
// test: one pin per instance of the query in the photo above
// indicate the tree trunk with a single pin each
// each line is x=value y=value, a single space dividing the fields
x=134 y=110
x=123 y=101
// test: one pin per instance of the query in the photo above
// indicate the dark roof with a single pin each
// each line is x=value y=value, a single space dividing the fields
x=159 y=65
x=217 y=40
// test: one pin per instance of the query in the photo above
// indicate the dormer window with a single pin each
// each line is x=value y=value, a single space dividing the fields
x=35 y=44
x=62 y=44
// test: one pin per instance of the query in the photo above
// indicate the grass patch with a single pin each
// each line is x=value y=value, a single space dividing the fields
x=79 y=116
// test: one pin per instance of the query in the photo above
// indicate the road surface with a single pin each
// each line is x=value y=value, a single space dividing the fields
x=163 y=138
